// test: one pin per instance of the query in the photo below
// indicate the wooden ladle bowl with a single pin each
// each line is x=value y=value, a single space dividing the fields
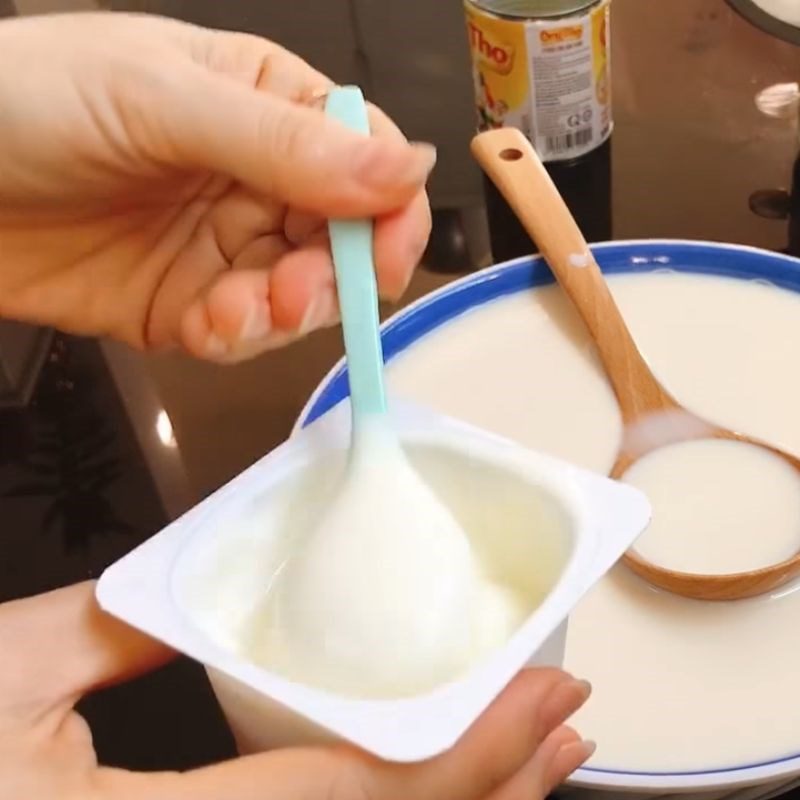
x=651 y=417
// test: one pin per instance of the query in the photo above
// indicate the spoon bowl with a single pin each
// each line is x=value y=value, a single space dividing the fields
x=651 y=417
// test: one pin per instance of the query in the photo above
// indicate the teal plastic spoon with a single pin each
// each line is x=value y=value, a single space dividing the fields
x=383 y=589
x=356 y=284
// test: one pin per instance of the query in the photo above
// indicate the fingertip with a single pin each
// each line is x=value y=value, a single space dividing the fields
x=570 y=757
x=589 y=748
x=363 y=177
x=400 y=242
x=319 y=165
x=561 y=753
x=238 y=306
x=246 y=312
x=387 y=165
x=511 y=730
x=562 y=702
x=196 y=334
x=231 y=320
x=302 y=290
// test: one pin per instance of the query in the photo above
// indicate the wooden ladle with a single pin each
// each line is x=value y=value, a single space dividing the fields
x=651 y=417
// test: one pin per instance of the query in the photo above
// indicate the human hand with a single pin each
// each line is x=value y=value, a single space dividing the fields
x=60 y=646
x=167 y=185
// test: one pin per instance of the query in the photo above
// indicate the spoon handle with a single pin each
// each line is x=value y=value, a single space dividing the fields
x=356 y=285
x=511 y=163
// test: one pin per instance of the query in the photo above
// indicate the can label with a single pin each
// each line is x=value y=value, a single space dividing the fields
x=549 y=78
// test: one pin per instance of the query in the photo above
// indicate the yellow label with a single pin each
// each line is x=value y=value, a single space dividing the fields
x=557 y=36
x=490 y=53
x=499 y=56
x=600 y=54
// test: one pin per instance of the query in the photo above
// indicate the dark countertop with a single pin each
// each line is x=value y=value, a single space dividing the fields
x=90 y=467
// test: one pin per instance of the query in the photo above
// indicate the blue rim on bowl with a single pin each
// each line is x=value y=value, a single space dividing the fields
x=434 y=310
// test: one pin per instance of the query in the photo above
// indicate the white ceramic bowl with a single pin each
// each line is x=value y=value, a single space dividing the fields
x=402 y=332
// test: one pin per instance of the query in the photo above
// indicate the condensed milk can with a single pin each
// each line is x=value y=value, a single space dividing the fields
x=543 y=66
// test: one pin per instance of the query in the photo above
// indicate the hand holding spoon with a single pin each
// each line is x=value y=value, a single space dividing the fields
x=652 y=418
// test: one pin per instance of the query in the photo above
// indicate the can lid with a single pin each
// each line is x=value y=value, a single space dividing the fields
x=534 y=9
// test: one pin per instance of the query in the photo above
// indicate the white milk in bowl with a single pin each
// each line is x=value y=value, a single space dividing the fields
x=683 y=689
x=719 y=506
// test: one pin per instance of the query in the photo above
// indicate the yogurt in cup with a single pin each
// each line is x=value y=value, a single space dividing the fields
x=549 y=528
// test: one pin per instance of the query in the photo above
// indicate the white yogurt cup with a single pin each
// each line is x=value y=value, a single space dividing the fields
x=162 y=588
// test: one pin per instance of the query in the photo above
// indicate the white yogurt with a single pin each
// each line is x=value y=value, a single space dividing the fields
x=385 y=596
x=369 y=616
x=718 y=506
x=679 y=684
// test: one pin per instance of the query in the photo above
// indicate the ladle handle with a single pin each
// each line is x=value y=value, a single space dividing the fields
x=512 y=164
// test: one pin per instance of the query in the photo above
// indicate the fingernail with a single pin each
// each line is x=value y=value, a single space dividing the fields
x=376 y=167
x=397 y=295
x=426 y=154
x=318 y=313
x=215 y=346
x=585 y=689
x=256 y=325
x=588 y=748
x=565 y=700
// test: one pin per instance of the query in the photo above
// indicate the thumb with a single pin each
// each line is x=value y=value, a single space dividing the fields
x=289 y=151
